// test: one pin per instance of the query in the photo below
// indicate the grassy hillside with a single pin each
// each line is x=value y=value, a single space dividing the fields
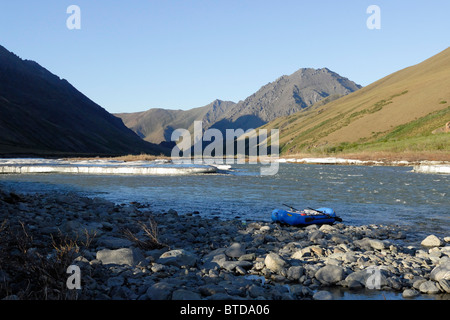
x=395 y=114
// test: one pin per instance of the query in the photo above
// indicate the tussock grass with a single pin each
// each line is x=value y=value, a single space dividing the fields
x=33 y=270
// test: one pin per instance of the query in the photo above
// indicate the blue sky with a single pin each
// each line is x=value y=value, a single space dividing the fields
x=178 y=54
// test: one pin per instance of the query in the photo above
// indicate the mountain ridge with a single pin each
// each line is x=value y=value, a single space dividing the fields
x=284 y=96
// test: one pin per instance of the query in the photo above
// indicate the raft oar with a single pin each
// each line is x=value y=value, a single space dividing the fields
x=292 y=208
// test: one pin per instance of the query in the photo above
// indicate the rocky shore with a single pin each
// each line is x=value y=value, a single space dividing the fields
x=129 y=252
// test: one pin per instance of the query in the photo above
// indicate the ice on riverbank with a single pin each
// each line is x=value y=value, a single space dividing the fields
x=422 y=166
x=430 y=168
x=37 y=165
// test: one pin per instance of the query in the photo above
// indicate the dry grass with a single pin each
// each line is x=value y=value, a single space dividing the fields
x=151 y=234
x=32 y=270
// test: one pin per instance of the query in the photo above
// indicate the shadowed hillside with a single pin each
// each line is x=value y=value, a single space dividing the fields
x=41 y=114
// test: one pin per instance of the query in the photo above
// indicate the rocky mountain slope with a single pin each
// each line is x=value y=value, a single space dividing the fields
x=284 y=96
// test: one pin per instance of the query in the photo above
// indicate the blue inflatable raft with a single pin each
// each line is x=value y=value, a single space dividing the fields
x=305 y=217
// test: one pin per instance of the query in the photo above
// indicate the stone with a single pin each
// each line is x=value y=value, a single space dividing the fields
x=113 y=242
x=235 y=250
x=429 y=287
x=274 y=262
x=210 y=289
x=322 y=295
x=122 y=256
x=160 y=291
x=441 y=272
x=255 y=291
x=371 y=278
x=445 y=285
x=350 y=257
x=183 y=294
x=330 y=274
x=410 y=293
x=377 y=244
x=178 y=258
x=432 y=241
x=295 y=273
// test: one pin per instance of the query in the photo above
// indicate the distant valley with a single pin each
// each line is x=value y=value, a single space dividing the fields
x=282 y=97
x=317 y=111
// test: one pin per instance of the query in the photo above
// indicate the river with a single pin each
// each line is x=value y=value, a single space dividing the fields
x=359 y=194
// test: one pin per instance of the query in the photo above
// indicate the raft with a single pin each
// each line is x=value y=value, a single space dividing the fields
x=305 y=217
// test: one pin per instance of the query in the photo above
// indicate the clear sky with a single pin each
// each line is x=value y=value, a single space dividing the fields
x=135 y=55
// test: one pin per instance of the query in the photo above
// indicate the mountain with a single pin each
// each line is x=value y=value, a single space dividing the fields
x=284 y=96
x=397 y=113
x=41 y=114
x=156 y=125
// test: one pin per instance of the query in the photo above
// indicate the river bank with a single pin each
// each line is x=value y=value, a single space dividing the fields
x=130 y=252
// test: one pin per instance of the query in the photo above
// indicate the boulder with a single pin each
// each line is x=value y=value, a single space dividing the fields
x=330 y=274
x=429 y=287
x=441 y=272
x=274 y=262
x=160 y=291
x=445 y=285
x=432 y=241
x=183 y=294
x=322 y=295
x=178 y=258
x=371 y=278
x=410 y=293
x=122 y=256
x=235 y=250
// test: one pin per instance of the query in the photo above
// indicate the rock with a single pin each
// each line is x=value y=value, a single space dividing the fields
x=256 y=291
x=179 y=258
x=210 y=289
x=315 y=235
x=432 y=241
x=445 y=285
x=235 y=250
x=322 y=295
x=410 y=293
x=160 y=291
x=113 y=242
x=182 y=294
x=295 y=273
x=248 y=257
x=327 y=228
x=330 y=274
x=232 y=265
x=377 y=244
x=441 y=272
x=274 y=262
x=429 y=287
x=123 y=256
x=371 y=278
x=350 y=257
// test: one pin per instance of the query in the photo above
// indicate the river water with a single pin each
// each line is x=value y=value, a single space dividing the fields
x=359 y=194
